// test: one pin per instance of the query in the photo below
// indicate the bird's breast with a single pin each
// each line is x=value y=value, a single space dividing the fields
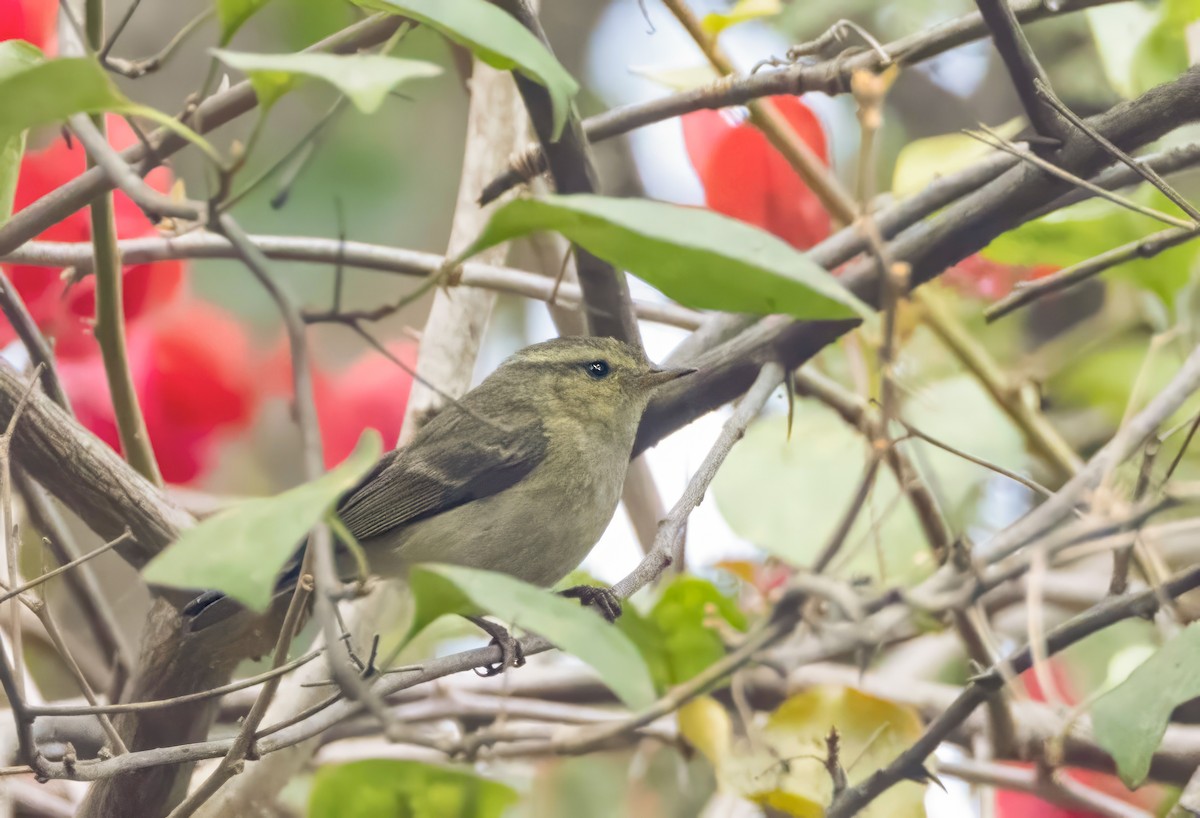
x=538 y=530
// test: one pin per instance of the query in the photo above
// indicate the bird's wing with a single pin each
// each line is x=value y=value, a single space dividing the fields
x=457 y=458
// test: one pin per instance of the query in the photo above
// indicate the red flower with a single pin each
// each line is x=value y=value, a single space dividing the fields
x=31 y=20
x=193 y=382
x=371 y=393
x=746 y=178
x=990 y=280
x=65 y=314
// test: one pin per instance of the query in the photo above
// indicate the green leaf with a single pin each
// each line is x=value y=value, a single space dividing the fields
x=494 y=37
x=232 y=14
x=922 y=161
x=35 y=91
x=404 y=789
x=1130 y=720
x=697 y=257
x=677 y=638
x=1140 y=47
x=365 y=79
x=742 y=11
x=12 y=148
x=451 y=589
x=788 y=496
x=683 y=616
x=1117 y=30
x=1084 y=230
x=241 y=551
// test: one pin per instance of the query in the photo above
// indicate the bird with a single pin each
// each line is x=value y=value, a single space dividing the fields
x=521 y=475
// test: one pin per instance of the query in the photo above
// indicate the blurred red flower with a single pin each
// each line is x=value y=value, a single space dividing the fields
x=746 y=178
x=191 y=371
x=31 y=20
x=991 y=280
x=65 y=314
x=1011 y=804
x=371 y=393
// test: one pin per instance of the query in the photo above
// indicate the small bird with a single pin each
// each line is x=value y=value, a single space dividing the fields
x=521 y=475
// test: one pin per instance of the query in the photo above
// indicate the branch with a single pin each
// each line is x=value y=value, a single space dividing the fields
x=929 y=248
x=1023 y=66
x=212 y=113
x=1026 y=292
x=829 y=77
x=910 y=763
x=333 y=251
x=605 y=289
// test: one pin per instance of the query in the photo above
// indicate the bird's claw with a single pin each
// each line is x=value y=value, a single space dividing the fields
x=602 y=599
x=511 y=652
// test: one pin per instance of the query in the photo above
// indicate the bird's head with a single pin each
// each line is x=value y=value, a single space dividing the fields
x=588 y=379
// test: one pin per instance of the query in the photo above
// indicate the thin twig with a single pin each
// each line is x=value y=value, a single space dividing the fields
x=990 y=138
x=1027 y=292
x=1146 y=172
x=1022 y=64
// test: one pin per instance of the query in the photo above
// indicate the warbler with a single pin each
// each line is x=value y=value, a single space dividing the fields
x=521 y=475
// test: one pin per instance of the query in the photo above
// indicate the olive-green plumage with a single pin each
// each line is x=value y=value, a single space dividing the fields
x=522 y=475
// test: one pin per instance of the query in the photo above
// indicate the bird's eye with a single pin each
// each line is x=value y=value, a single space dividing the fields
x=597 y=370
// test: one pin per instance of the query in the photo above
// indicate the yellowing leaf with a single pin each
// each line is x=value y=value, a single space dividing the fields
x=678 y=79
x=743 y=10
x=706 y=726
x=924 y=160
x=785 y=767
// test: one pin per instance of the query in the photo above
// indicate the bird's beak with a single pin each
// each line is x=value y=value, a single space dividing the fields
x=657 y=377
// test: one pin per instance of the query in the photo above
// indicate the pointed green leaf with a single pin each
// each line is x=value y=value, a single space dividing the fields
x=405 y=789
x=365 y=79
x=12 y=148
x=240 y=551
x=494 y=37
x=1130 y=720
x=699 y=258
x=452 y=589
x=35 y=91
x=232 y=15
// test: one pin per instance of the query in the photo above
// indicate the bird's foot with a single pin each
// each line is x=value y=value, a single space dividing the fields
x=602 y=599
x=512 y=655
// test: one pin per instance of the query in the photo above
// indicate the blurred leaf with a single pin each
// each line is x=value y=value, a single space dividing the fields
x=707 y=727
x=36 y=91
x=1141 y=47
x=742 y=11
x=452 y=589
x=383 y=788
x=1117 y=30
x=241 y=551
x=922 y=161
x=697 y=257
x=232 y=14
x=788 y=773
x=676 y=638
x=678 y=79
x=365 y=79
x=683 y=616
x=1087 y=229
x=1130 y=719
x=495 y=37
x=12 y=148
x=788 y=497
x=1104 y=379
